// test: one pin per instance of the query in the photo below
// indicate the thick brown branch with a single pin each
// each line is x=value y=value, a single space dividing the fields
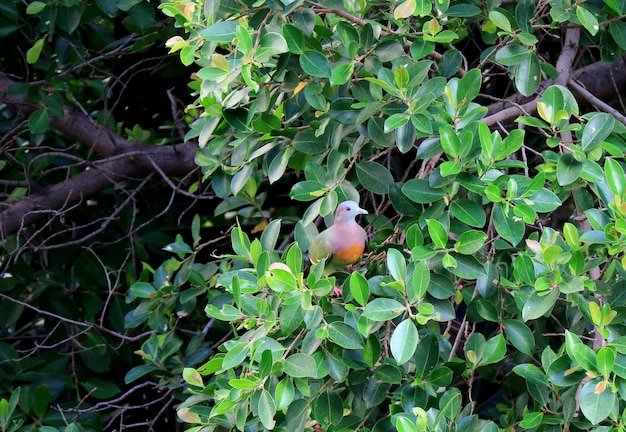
x=73 y=124
x=172 y=160
x=122 y=160
x=593 y=77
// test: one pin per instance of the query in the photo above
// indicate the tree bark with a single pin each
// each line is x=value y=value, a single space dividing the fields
x=122 y=160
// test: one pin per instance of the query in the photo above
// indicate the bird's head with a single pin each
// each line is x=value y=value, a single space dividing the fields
x=348 y=210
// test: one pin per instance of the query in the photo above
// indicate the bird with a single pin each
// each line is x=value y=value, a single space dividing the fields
x=341 y=244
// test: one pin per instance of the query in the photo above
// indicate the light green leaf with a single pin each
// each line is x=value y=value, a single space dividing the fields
x=494 y=350
x=470 y=242
x=396 y=264
x=359 y=288
x=344 y=335
x=512 y=54
x=615 y=178
x=520 y=336
x=315 y=64
x=32 y=55
x=596 y=405
x=510 y=228
x=537 y=305
x=500 y=20
x=271 y=44
x=285 y=393
x=587 y=19
x=438 y=233
x=266 y=409
x=222 y=32
x=35 y=7
x=597 y=129
x=528 y=74
x=568 y=169
x=383 y=309
x=404 y=9
x=419 y=282
x=404 y=341
x=300 y=365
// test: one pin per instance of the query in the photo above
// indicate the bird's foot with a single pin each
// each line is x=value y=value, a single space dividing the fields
x=336 y=292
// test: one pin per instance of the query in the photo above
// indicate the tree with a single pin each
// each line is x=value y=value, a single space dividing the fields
x=485 y=138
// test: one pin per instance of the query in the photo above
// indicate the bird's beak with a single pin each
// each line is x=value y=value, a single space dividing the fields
x=362 y=211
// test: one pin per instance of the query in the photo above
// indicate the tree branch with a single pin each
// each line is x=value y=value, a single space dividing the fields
x=592 y=77
x=123 y=160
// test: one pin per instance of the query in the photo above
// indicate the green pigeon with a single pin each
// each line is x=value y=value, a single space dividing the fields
x=341 y=244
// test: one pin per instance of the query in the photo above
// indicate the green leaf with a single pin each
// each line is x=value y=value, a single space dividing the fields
x=519 y=335
x=376 y=132
x=588 y=20
x=327 y=408
x=528 y=74
x=419 y=282
x=404 y=424
x=512 y=54
x=236 y=355
x=359 y=288
x=450 y=403
x=438 y=233
x=500 y=20
x=142 y=290
x=618 y=31
x=544 y=201
x=467 y=267
x=605 y=360
x=494 y=350
x=538 y=305
x=266 y=409
x=300 y=365
x=404 y=341
x=221 y=32
x=596 y=405
x=568 y=169
x=341 y=73
x=193 y=377
x=307 y=142
x=285 y=393
x=139 y=371
x=405 y=137
x=374 y=177
x=419 y=191
x=307 y=190
x=470 y=242
x=469 y=87
x=614 y=174
x=344 y=335
x=469 y=212
x=450 y=141
x=383 y=309
x=597 y=129
x=35 y=7
x=33 y=53
x=295 y=38
x=315 y=64
x=511 y=229
x=396 y=264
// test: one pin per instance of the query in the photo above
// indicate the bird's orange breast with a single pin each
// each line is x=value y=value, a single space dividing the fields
x=349 y=255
